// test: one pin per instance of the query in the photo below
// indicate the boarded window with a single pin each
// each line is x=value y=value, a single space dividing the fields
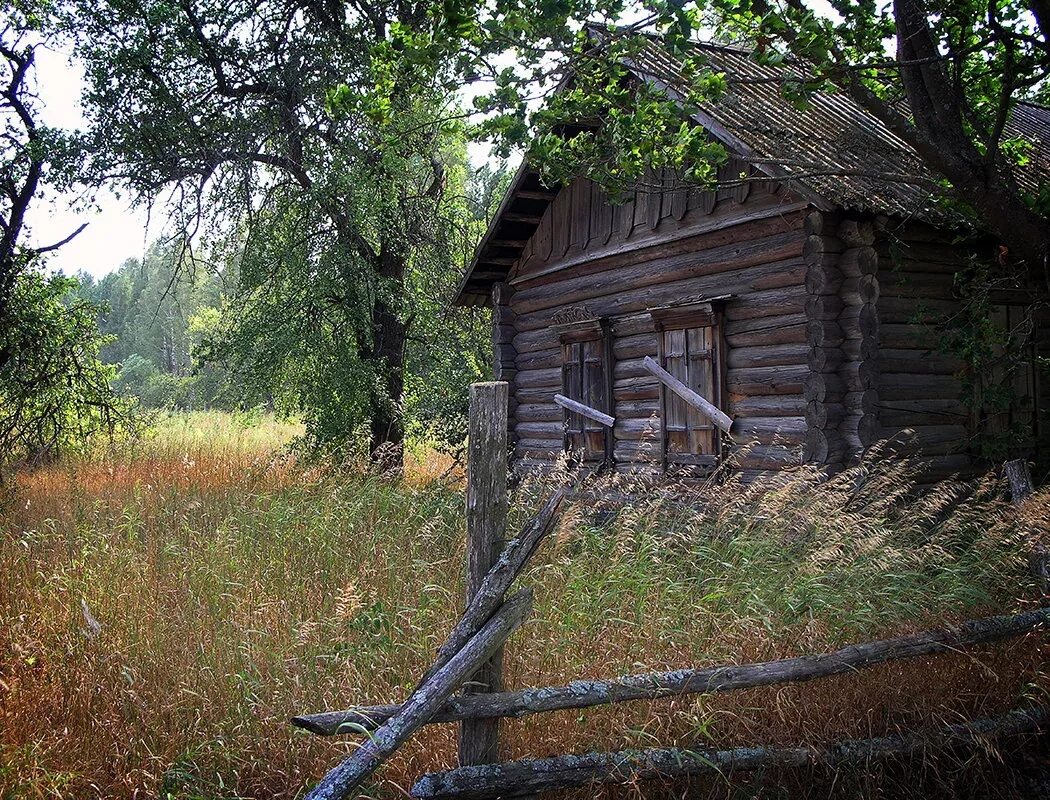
x=690 y=349
x=587 y=378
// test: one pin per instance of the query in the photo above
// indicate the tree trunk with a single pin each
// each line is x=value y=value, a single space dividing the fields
x=388 y=355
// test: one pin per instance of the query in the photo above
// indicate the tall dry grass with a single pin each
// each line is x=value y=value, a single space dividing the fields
x=163 y=611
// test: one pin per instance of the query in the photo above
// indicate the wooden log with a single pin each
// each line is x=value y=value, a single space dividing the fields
x=821 y=250
x=707 y=680
x=697 y=401
x=634 y=766
x=919 y=361
x=824 y=333
x=856 y=233
x=824 y=359
x=866 y=402
x=424 y=702
x=904 y=335
x=767 y=303
x=772 y=405
x=786 y=329
x=684 y=265
x=859 y=261
x=771 y=430
x=824 y=415
x=637 y=346
x=816 y=223
x=863 y=349
x=551 y=429
x=859 y=291
x=859 y=321
x=486 y=523
x=767 y=380
x=930 y=440
x=538 y=412
x=900 y=386
x=823 y=447
x=641 y=388
x=767 y=456
x=584 y=410
x=538 y=378
x=859 y=376
x=821 y=279
x=824 y=306
x=766 y=355
x=823 y=387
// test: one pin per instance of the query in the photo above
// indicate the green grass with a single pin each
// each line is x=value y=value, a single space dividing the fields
x=235 y=589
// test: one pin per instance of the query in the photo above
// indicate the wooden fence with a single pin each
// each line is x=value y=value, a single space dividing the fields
x=470 y=660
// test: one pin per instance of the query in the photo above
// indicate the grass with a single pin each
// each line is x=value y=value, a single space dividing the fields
x=233 y=588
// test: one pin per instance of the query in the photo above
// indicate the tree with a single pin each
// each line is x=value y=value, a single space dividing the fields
x=54 y=390
x=957 y=71
x=302 y=149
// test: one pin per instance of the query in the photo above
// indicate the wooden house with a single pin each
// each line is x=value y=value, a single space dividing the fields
x=802 y=297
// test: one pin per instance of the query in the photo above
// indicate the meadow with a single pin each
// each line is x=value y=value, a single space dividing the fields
x=166 y=606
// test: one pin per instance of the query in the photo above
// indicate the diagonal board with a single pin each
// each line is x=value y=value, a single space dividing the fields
x=724 y=678
x=424 y=702
x=531 y=775
x=498 y=580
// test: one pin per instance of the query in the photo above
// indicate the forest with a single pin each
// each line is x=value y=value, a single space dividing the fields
x=509 y=400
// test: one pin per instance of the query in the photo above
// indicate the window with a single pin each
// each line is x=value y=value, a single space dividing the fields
x=586 y=374
x=690 y=342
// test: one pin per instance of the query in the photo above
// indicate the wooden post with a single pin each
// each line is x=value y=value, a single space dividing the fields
x=1020 y=479
x=486 y=531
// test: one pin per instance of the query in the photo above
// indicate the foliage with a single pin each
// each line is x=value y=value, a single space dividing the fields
x=307 y=156
x=54 y=390
x=158 y=313
x=233 y=589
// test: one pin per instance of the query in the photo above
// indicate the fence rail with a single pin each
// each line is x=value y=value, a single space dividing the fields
x=471 y=653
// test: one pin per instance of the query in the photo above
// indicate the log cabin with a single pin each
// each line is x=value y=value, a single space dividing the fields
x=805 y=297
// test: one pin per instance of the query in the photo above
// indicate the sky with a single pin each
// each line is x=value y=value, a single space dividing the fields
x=115 y=230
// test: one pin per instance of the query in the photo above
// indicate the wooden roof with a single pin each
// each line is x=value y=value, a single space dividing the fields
x=831 y=151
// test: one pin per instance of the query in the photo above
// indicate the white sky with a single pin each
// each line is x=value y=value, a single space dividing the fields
x=115 y=231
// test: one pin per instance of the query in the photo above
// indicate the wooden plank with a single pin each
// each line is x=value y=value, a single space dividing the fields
x=701 y=404
x=584 y=410
x=424 y=702
x=486 y=518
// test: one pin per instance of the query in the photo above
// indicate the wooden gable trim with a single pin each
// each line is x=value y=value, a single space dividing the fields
x=709 y=225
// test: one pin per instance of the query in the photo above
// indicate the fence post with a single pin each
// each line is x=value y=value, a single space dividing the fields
x=486 y=515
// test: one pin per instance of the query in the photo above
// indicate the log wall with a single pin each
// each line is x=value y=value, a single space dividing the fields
x=666 y=246
x=921 y=411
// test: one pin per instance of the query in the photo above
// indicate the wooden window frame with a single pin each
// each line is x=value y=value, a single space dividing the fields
x=705 y=314
x=591 y=330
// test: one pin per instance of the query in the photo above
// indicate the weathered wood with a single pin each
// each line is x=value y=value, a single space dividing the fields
x=767 y=355
x=701 y=404
x=1019 y=478
x=787 y=379
x=486 y=518
x=707 y=680
x=771 y=430
x=823 y=446
x=424 y=702
x=489 y=594
x=767 y=456
x=584 y=410
x=856 y=233
x=633 y=766
x=786 y=329
x=772 y=405
x=859 y=261
x=683 y=266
